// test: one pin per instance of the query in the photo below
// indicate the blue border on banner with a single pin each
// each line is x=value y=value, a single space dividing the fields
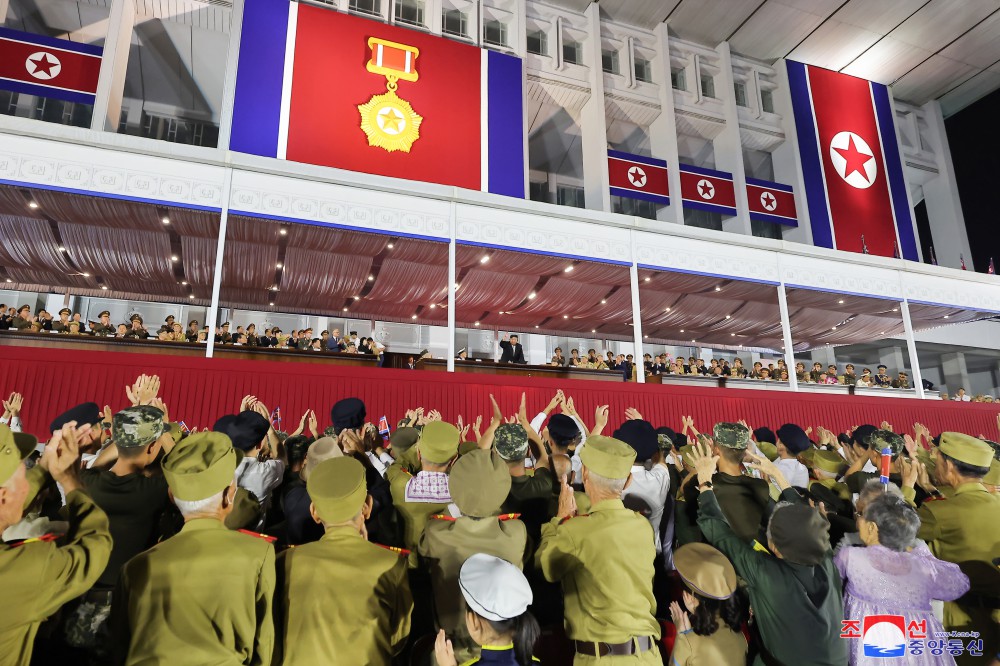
x=667 y=269
x=505 y=122
x=812 y=165
x=644 y=196
x=708 y=208
x=541 y=252
x=894 y=299
x=766 y=184
x=52 y=42
x=702 y=171
x=953 y=307
x=774 y=219
x=641 y=159
x=894 y=167
x=106 y=195
x=335 y=225
x=259 y=78
x=46 y=91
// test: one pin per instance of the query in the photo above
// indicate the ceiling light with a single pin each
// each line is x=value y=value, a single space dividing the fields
x=604 y=301
x=283 y=232
x=732 y=335
x=946 y=316
x=173 y=257
x=413 y=317
x=183 y=281
x=682 y=330
x=9 y=280
x=593 y=330
x=532 y=295
x=882 y=333
x=274 y=288
x=834 y=328
x=271 y=304
x=645 y=336
x=692 y=341
x=477 y=323
x=668 y=310
x=718 y=288
x=104 y=287
x=32 y=204
x=645 y=279
x=895 y=309
x=565 y=316
x=279 y=265
x=85 y=274
x=536 y=325
x=357 y=298
x=485 y=258
x=729 y=316
x=433 y=305
x=841 y=301
x=166 y=220
x=190 y=295
x=568 y=269
x=62 y=249
x=345 y=309
x=457 y=285
x=389 y=246
x=371 y=278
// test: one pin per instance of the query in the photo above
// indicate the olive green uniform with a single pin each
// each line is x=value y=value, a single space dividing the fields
x=961 y=528
x=414 y=514
x=745 y=501
x=60 y=326
x=342 y=600
x=102 y=329
x=20 y=323
x=605 y=563
x=202 y=596
x=38 y=577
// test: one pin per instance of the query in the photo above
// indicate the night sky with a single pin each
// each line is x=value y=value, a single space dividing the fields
x=974 y=135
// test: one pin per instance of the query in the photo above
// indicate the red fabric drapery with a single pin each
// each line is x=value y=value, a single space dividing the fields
x=199 y=390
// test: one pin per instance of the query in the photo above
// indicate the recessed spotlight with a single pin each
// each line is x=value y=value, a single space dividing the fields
x=834 y=328
x=85 y=274
x=371 y=278
x=946 y=316
x=104 y=287
x=729 y=316
x=174 y=257
x=682 y=330
x=593 y=330
x=9 y=280
x=732 y=335
x=667 y=310
x=274 y=288
x=271 y=304
x=536 y=325
x=718 y=288
x=345 y=309
x=604 y=301
x=692 y=340
x=895 y=309
x=841 y=301
x=191 y=296
x=32 y=204
x=645 y=336
x=390 y=246
x=882 y=333
x=568 y=269
x=531 y=296
x=357 y=298
x=433 y=305
x=485 y=258
x=183 y=281
x=279 y=265
x=166 y=220
x=62 y=249
x=565 y=316
x=645 y=279
x=477 y=323
x=413 y=316
x=283 y=232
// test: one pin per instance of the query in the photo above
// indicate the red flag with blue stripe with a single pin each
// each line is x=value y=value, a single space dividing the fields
x=383 y=428
x=851 y=164
x=49 y=67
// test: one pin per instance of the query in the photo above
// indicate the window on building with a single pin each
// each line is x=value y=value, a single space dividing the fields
x=766 y=230
x=567 y=195
x=454 y=22
x=538 y=42
x=365 y=7
x=495 y=32
x=741 y=94
x=409 y=12
x=637 y=207
x=707 y=85
x=678 y=79
x=609 y=61
x=538 y=190
x=702 y=219
x=766 y=101
x=643 y=70
x=572 y=52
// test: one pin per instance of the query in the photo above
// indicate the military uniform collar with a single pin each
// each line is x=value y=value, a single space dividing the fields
x=202 y=524
x=607 y=505
x=340 y=532
x=973 y=487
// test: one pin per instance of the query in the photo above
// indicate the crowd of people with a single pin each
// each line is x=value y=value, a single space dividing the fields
x=130 y=539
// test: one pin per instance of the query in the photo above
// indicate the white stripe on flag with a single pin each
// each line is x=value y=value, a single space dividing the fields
x=286 y=81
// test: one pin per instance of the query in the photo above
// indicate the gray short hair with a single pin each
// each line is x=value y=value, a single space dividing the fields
x=897 y=521
x=875 y=488
x=207 y=505
x=609 y=486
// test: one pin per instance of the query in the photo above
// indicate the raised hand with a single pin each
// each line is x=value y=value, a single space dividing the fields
x=567 y=501
x=600 y=418
x=12 y=405
x=909 y=471
x=632 y=414
x=681 y=619
x=497 y=414
x=522 y=412
x=704 y=463
x=62 y=455
x=433 y=415
x=313 y=423
x=477 y=427
x=143 y=390
x=443 y=651
x=160 y=405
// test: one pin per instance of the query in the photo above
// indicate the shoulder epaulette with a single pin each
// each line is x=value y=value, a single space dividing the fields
x=935 y=498
x=441 y=516
x=258 y=535
x=44 y=537
x=508 y=516
x=402 y=552
x=571 y=517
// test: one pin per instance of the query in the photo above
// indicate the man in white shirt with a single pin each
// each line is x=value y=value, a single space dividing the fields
x=647 y=491
x=251 y=433
x=961 y=396
x=792 y=440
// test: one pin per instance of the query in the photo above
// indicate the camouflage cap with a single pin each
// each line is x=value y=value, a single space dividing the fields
x=886 y=439
x=511 y=441
x=731 y=435
x=137 y=426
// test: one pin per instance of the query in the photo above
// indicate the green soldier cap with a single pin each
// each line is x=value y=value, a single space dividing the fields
x=23 y=308
x=104 y=313
x=200 y=466
x=136 y=317
x=467 y=447
x=66 y=311
x=731 y=435
x=705 y=570
x=768 y=449
x=337 y=489
x=479 y=483
x=14 y=447
x=438 y=442
x=993 y=476
x=174 y=430
x=927 y=458
x=403 y=438
x=881 y=439
x=511 y=441
x=827 y=461
x=608 y=457
x=996 y=448
x=965 y=448
x=137 y=426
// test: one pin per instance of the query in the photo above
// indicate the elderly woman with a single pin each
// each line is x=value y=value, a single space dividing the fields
x=892 y=577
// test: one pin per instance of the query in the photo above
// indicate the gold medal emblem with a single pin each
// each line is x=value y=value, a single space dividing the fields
x=388 y=120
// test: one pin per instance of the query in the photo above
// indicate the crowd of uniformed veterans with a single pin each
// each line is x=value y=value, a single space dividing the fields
x=130 y=539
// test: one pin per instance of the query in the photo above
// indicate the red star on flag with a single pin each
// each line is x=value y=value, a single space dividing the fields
x=637 y=176
x=856 y=160
x=706 y=189
x=767 y=199
x=44 y=65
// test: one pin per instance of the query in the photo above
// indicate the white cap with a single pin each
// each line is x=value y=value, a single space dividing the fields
x=494 y=588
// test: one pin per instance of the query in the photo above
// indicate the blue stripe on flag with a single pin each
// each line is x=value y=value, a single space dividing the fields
x=52 y=42
x=641 y=159
x=894 y=169
x=257 y=106
x=504 y=94
x=774 y=219
x=709 y=208
x=46 y=91
x=812 y=165
x=645 y=196
x=769 y=185
x=702 y=171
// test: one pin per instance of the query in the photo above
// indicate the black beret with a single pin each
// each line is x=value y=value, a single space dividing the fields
x=861 y=434
x=794 y=438
x=563 y=429
x=87 y=412
x=222 y=425
x=765 y=435
x=641 y=436
x=348 y=413
x=247 y=430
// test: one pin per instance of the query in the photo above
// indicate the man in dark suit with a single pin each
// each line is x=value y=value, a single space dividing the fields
x=512 y=351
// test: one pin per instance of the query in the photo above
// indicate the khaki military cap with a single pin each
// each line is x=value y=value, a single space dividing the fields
x=731 y=435
x=136 y=317
x=23 y=308
x=965 y=448
x=479 y=483
x=65 y=311
x=14 y=447
x=438 y=442
x=337 y=489
x=992 y=477
x=104 y=313
x=200 y=466
x=769 y=450
x=827 y=461
x=608 y=457
x=705 y=570
x=403 y=439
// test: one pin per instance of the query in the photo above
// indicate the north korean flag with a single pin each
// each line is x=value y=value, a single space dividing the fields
x=638 y=177
x=49 y=67
x=851 y=165
x=708 y=190
x=304 y=71
x=771 y=202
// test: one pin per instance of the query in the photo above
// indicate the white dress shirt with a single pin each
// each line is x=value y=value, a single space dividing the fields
x=795 y=472
x=652 y=486
x=260 y=478
x=574 y=460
